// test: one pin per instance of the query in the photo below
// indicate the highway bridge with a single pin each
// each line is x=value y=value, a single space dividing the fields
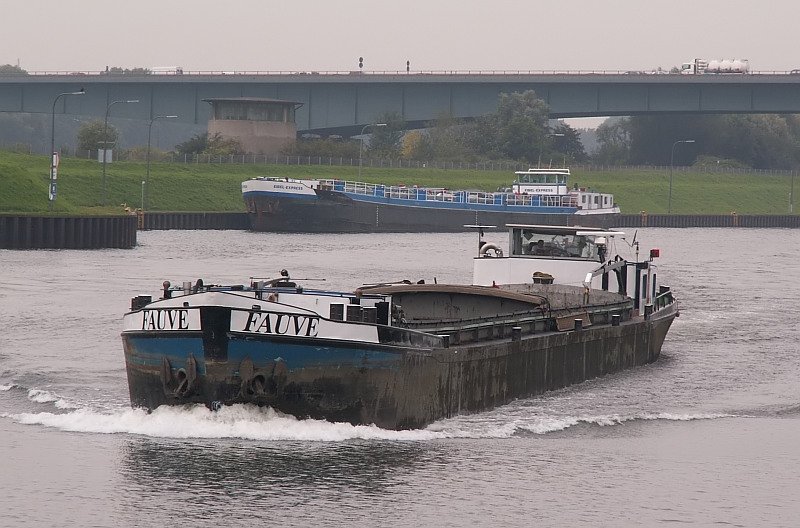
x=343 y=102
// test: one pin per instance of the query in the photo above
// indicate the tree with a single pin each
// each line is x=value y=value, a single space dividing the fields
x=613 y=136
x=90 y=136
x=25 y=128
x=445 y=139
x=218 y=145
x=521 y=122
x=10 y=68
x=128 y=71
x=481 y=137
x=194 y=145
x=215 y=145
x=415 y=145
x=567 y=143
x=385 y=142
x=756 y=140
x=760 y=141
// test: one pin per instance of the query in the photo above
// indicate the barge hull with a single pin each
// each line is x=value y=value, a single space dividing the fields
x=337 y=213
x=394 y=388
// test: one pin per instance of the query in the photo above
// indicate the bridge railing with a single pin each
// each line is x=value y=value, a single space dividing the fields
x=352 y=73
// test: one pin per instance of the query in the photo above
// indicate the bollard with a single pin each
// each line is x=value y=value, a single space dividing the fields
x=516 y=333
x=578 y=324
x=648 y=310
x=445 y=340
x=615 y=320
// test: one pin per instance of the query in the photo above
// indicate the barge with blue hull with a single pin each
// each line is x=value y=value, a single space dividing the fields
x=406 y=354
x=537 y=196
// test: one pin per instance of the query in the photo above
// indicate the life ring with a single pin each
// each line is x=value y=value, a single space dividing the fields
x=490 y=247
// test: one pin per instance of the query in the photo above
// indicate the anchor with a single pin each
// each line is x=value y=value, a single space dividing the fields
x=262 y=382
x=183 y=383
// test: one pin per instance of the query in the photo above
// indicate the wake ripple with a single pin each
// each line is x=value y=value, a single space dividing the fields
x=265 y=424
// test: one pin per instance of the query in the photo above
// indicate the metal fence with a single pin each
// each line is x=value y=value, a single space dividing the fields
x=328 y=161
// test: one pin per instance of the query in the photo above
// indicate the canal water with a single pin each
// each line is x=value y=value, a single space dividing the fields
x=708 y=435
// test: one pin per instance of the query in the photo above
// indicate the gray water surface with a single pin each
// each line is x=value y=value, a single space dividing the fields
x=708 y=435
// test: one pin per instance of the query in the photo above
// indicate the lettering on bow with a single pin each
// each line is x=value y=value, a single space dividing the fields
x=281 y=324
x=165 y=319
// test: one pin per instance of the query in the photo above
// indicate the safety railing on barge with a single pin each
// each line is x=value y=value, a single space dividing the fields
x=427 y=194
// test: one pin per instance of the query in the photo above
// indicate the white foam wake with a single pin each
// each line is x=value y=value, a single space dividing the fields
x=236 y=421
x=4 y=388
x=43 y=396
x=505 y=426
x=255 y=423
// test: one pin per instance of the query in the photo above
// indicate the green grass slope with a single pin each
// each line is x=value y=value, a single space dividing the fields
x=217 y=187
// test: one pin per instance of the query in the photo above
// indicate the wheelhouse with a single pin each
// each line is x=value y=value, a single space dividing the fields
x=541 y=181
x=550 y=242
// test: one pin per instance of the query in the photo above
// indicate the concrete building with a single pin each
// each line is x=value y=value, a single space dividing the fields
x=262 y=126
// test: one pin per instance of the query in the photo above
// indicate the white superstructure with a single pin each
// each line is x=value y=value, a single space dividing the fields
x=566 y=255
x=281 y=186
x=553 y=183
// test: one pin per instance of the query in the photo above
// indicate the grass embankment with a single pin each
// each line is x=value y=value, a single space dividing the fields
x=216 y=187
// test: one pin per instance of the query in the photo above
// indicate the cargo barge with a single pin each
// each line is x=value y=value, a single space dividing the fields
x=556 y=310
x=537 y=196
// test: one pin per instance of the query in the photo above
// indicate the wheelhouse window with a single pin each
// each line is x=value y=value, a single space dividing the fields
x=541 y=178
x=248 y=111
x=533 y=243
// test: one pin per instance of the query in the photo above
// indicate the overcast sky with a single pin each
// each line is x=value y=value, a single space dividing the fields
x=324 y=35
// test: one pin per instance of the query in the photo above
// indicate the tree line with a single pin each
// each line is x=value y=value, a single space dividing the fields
x=519 y=130
x=759 y=141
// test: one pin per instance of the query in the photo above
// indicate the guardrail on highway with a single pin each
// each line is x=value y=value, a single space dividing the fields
x=103 y=73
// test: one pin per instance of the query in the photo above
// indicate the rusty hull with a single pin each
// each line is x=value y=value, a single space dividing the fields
x=392 y=387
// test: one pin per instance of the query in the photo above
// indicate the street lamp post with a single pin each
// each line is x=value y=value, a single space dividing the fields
x=541 y=146
x=671 y=163
x=149 y=135
x=53 y=174
x=105 y=142
x=361 y=145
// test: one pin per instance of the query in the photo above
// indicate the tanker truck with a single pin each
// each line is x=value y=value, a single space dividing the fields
x=700 y=66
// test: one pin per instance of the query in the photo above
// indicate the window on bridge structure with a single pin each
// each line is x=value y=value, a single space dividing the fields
x=244 y=111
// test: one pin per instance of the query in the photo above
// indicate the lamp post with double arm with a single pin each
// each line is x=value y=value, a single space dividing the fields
x=53 y=155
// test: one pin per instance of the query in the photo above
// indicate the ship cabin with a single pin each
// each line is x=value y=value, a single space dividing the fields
x=570 y=255
x=553 y=182
x=541 y=181
x=547 y=254
x=557 y=242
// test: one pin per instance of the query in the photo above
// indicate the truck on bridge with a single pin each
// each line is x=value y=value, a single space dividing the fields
x=701 y=66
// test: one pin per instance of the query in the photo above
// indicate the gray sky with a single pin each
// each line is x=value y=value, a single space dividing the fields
x=324 y=35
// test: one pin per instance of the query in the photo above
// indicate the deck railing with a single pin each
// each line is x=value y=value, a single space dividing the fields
x=447 y=196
